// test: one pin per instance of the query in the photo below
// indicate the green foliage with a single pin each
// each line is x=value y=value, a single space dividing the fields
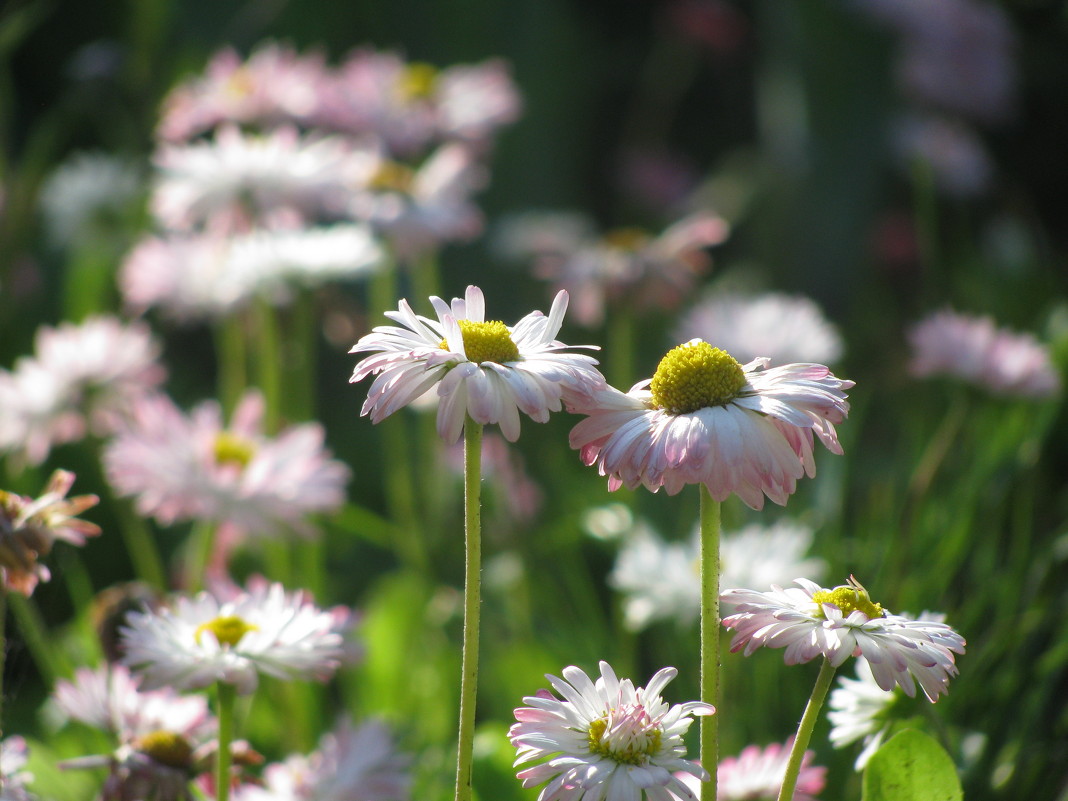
x=911 y=766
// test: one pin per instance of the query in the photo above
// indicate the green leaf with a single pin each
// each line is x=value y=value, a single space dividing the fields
x=911 y=766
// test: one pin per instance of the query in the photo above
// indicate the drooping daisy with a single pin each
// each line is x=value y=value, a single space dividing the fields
x=662 y=580
x=703 y=418
x=29 y=527
x=605 y=740
x=785 y=328
x=842 y=622
x=202 y=640
x=482 y=368
x=976 y=350
x=857 y=710
x=756 y=774
x=352 y=763
x=193 y=467
x=82 y=378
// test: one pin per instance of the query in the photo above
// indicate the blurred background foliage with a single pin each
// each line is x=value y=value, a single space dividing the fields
x=779 y=116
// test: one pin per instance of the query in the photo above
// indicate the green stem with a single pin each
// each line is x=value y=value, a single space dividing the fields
x=51 y=662
x=268 y=361
x=620 y=349
x=226 y=696
x=230 y=362
x=710 y=525
x=141 y=546
x=3 y=654
x=804 y=730
x=200 y=545
x=472 y=598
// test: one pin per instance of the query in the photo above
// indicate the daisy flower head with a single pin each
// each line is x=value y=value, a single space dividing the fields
x=810 y=621
x=703 y=418
x=976 y=350
x=756 y=774
x=202 y=640
x=482 y=368
x=13 y=779
x=605 y=739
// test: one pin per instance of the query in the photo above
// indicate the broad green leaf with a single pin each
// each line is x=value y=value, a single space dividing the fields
x=911 y=766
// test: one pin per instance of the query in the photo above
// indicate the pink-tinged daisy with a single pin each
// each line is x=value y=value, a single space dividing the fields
x=482 y=368
x=703 y=418
x=352 y=763
x=756 y=774
x=976 y=350
x=13 y=779
x=203 y=640
x=606 y=740
x=193 y=467
x=810 y=621
x=29 y=527
x=274 y=86
x=83 y=378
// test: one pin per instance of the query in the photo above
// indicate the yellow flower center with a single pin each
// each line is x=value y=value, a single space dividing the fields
x=166 y=747
x=694 y=376
x=232 y=449
x=849 y=598
x=418 y=81
x=392 y=176
x=227 y=630
x=627 y=735
x=629 y=239
x=486 y=342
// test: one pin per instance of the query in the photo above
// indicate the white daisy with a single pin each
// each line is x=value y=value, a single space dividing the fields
x=857 y=709
x=703 y=418
x=842 y=622
x=606 y=740
x=482 y=368
x=13 y=779
x=202 y=640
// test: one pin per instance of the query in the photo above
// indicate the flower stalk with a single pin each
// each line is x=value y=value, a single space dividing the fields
x=804 y=729
x=227 y=695
x=710 y=531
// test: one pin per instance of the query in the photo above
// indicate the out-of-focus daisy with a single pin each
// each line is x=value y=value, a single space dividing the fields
x=29 y=527
x=958 y=162
x=756 y=774
x=82 y=378
x=13 y=779
x=482 y=368
x=661 y=580
x=838 y=623
x=418 y=209
x=976 y=350
x=201 y=641
x=237 y=180
x=857 y=710
x=274 y=86
x=206 y=275
x=605 y=739
x=193 y=467
x=516 y=497
x=628 y=265
x=89 y=193
x=785 y=328
x=703 y=418
x=352 y=763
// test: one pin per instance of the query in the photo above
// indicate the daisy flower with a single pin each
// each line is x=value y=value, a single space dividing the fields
x=785 y=328
x=482 y=368
x=29 y=527
x=193 y=467
x=89 y=193
x=756 y=774
x=605 y=739
x=810 y=621
x=976 y=350
x=703 y=418
x=352 y=763
x=857 y=710
x=13 y=779
x=201 y=640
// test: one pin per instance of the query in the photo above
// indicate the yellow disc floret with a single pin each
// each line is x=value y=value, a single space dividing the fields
x=228 y=630
x=486 y=342
x=630 y=740
x=392 y=176
x=851 y=597
x=232 y=449
x=695 y=376
x=418 y=81
x=166 y=747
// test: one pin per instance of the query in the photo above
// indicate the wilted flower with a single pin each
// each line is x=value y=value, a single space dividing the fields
x=482 y=368
x=757 y=773
x=29 y=527
x=785 y=328
x=353 y=763
x=976 y=350
x=703 y=418
x=842 y=622
x=192 y=467
x=203 y=640
x=82 y=378
x=605 y=739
